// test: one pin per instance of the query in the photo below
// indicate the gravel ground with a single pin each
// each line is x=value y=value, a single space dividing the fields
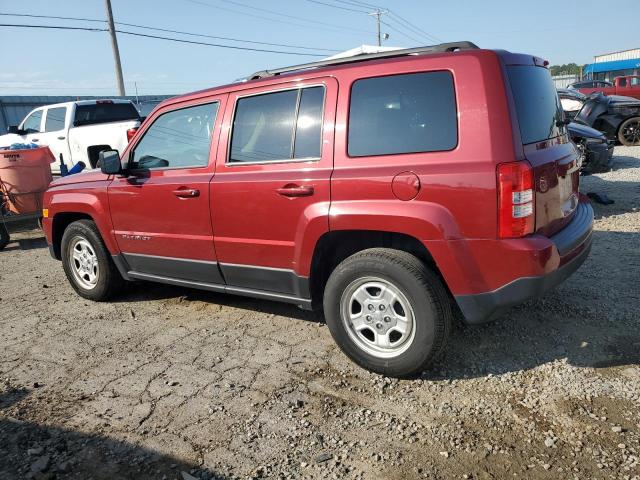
x=168 y=383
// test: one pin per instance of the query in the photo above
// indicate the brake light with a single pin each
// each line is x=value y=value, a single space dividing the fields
x=515 y=200
x=102 y=102
x=131 y=132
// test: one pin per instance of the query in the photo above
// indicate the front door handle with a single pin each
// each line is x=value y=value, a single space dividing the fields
x=35 y=139
x=293 y=190
x=187 y=193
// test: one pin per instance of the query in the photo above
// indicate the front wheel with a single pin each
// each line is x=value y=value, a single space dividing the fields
x=87 y=262
x=629 y=132
x=387 y=311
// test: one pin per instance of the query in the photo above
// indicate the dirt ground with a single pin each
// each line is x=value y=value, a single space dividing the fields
x=169 y=383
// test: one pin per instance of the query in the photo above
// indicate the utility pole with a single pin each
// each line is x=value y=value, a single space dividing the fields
x=378 y=13
x=114 y=46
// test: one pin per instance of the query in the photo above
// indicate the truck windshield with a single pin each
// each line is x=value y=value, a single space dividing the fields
x=105 y=112
x=537 y=105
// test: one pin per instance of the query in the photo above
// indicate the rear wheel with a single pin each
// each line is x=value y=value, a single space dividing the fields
x=387 y=311
x=629 y=132
x=87 y=262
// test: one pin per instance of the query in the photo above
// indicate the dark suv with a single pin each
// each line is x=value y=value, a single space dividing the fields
x=389 y=190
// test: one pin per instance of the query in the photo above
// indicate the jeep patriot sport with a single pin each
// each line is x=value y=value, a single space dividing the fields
x=390 y=190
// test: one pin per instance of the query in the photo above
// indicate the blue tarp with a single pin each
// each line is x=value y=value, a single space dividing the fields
x=612 y=66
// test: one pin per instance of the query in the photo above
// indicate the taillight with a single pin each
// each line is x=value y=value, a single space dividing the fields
x=131 y=132
x=515 y=200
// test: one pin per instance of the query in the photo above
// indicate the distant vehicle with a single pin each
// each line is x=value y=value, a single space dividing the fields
x=617 y=117
x=596 y=151
x=388 y=189
x=571 y=101
x=77 y=130
x=628 y=86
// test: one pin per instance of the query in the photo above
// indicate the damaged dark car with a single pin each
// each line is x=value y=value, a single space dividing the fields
x=617 y=117
x=596 y=150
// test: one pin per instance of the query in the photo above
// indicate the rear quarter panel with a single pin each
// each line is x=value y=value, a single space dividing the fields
x=113 y=134
x=457 y=197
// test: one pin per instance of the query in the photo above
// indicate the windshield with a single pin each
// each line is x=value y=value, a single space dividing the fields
x=537 y=104
x=105 y=112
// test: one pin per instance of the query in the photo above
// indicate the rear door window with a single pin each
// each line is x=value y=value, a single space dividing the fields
x=537 y=104
x=402 y=114
x=278 y=126
x=54 y=119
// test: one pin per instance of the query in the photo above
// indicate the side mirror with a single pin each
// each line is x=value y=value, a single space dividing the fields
x=14 y=129
x=109 y=161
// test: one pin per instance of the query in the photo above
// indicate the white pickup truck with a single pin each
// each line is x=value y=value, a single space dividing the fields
x=77 y=130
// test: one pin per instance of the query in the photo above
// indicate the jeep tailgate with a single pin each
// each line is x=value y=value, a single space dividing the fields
x=545 y=144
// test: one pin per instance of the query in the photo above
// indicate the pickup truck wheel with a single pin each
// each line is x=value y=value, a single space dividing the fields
x=629 y=132
x=387 y=311
x=4 y=236
x=87 y=262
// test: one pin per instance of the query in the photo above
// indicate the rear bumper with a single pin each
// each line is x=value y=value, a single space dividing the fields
x=572 y=243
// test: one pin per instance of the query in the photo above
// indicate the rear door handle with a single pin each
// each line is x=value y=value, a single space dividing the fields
x=293 y=190
x=187 y=193
x=61 y=138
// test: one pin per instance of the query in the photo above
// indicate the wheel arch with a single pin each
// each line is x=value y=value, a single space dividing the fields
x=335 y=246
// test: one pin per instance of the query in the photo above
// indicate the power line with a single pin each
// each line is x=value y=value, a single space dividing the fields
x=216 y=44
x=415 y=28
x=332 y=28
x=145 y=27
x=158 y=37
x=337 y=6
x=402 y=33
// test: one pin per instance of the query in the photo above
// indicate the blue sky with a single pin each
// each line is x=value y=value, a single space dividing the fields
x=52 y=62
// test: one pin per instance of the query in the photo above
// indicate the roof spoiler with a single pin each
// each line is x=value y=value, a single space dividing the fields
x=440 y=48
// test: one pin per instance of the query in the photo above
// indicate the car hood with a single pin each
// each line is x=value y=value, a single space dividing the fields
x=9 y=139
x=582 y=131
x=82 y=177
x=619 y=100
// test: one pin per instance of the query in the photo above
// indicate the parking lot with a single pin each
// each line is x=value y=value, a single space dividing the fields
x=175 y=383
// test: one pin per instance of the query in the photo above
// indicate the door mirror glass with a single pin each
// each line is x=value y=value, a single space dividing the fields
x=109 y=161
x=14 y=129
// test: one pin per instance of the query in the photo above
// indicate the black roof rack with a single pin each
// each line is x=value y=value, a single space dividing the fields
x=442 y=47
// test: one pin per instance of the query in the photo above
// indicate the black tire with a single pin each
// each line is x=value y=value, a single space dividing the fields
x=109 y=281
x=5 y=238
x=420 y=286
x=629 y=132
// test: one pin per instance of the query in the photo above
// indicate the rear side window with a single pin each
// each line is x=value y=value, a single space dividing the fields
x=177 y=139
x=54 y=120
x=278 y=126
x=537 y=104
x=105 y=112
x=402 y=114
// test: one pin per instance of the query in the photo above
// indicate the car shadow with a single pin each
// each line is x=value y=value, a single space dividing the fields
x=143 y=291
x=39 y=451
x=26 y=244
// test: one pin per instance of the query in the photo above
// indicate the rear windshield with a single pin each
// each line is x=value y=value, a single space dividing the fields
x=105 y=112
x=537 y=105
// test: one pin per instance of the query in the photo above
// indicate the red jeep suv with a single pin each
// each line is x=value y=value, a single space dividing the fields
x=389 y=189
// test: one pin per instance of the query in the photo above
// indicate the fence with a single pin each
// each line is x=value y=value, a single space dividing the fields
x=13 y=109
x=563 y=81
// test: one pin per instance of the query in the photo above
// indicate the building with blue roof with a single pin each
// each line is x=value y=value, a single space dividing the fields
x=611 y=65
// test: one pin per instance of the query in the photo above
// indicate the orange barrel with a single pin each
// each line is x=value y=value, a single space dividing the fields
x=24 y=176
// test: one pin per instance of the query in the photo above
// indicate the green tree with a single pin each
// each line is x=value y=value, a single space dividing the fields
x=566 y=69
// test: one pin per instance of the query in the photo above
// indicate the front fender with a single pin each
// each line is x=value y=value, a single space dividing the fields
x=93 y=203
